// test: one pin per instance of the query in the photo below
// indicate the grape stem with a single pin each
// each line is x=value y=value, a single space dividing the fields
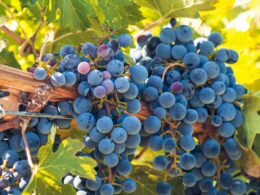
x=25 y=122
x=139 y=155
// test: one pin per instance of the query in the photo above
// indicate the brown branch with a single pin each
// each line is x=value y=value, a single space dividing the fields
x=12 y=34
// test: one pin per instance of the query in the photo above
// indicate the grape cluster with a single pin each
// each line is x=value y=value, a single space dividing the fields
x=194 y=101
x=185 y=92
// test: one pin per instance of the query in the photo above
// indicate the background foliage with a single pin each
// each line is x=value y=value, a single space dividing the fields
x=30 y=27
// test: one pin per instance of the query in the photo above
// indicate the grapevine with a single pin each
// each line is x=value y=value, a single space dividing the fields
x=177 y=97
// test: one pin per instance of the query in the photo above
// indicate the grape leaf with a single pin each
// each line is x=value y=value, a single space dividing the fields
x=7 y=58
x=47 y=175
x=251 y=163
x=147 y=179
x=118 y=14
x=163 y=10
x=251 y=126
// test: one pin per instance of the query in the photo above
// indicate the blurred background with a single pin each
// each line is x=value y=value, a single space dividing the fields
x=26 y=30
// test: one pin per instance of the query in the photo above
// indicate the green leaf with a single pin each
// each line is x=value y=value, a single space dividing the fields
x=256 y=145
x=164 y=10
x=7 y=58
x=118 y=14
x=251 y=126
x=251 y=163
x=147 y=179
x=47 y=175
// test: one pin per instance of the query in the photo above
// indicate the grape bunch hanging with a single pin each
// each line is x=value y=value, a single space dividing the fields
x=178 y=97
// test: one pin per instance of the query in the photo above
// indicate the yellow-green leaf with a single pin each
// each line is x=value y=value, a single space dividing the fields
x=147 y=179
x=251 y=126
x=47 y=175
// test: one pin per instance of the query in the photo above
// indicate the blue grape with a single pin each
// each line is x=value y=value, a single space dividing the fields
x=94 y=185
x=150 y=94
x=202 y=115
x=238 y=120
x=82 y=105
x=169 y=145
x=240 y=90
x=66 y=49
x=164 y=188
x=10 y=156
x=191 y=116
x=191 y=60
x=160 y=112
x=164 y=51
x=226 y=181
x=239 y=187
x=122 y=84
x=125 y=40
x=139 y=74
x=209 y=169
x=211 y=148
x=132 y=92
x=133 y=141
x=63 y=123
x=200 y=159
x=120 y=148
x=119 y=135
x=227 y=111
x=70 y=61
x=166 y=99
x=106 y=146
x=206 y=48
x=215 y=38
x=89 y=49
x=230 y=95
x=152 y=124
x=226 y=130
x=44 y=126
x=185 y=129
x=111 y=160
x=160 y=163
x=89 y=143
x=49 y=58
x=33 y=141
x=173 y=76
x=207 y=95
x=131 y=124
x=155 y=143
x=129 y=185
x=156 y=82
x=105 y=124
x=231 y=146
x=178 y=52
x=167 y=35
x=197 y=173
x=108 y=85
x=216 y=121
x=206 y=184
x=39 y=74
x=99 y=92
x=133 y=106
x=187 y=161
x=95 y=77
x=219 y=87
x=179 y=98
x=65 y=108
x=184 y=33
x=70 y=78
x=187 y=143
x=14 y=142
x=116 y=68
x=189 y=179
x=124 y=167
x=177 y=112
x=107 y=189
x=83 y=88
x=57 y=79
x=95 y=135
x=222 y=55
x=212 y=69
x=233 y=57
x=86 y=121
x=198 y=76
